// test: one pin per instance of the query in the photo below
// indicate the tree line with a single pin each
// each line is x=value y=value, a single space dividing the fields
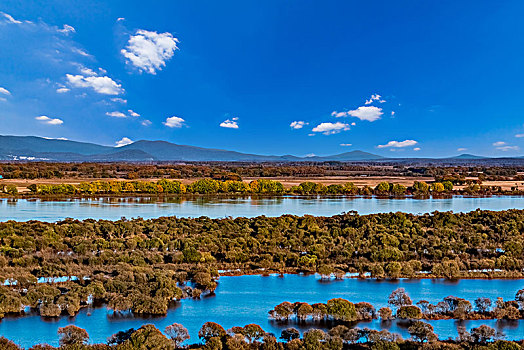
x=235 y=170
x=451 y=307
x=260 y=186
x=213 y=336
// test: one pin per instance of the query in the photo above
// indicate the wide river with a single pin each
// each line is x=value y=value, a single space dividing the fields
x=247 y=299
x=151 y=207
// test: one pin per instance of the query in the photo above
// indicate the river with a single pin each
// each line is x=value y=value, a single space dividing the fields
x=242 y=300
x=112 y=208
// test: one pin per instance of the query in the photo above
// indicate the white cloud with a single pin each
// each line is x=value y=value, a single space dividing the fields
x=392 y=113
x=174 y=122
x=519 y=135
x=116 y=114
x=331 y=128
x=369 y=113
x=88 y=71
x=102 y=85
x=119 y=19
x=10 y=18
x=399 y=144
x=298 y=124
x=461 y=149
x=339 y=114
x=133 y=113
x=146 y=122
x=503 y=146
x=508 y=148
x=346 y=144
x=149 y=51
x=62 y=90
x=119 y=100
x=50 y=121
x=67 y=29
x=416 y=149
x=230 y=123
x=80 y=52
x=374 y=97
x=56 y=138
x=123 y=142
x=4 y=91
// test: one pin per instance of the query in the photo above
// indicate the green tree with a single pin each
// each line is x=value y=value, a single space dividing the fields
x=341 y=309
x=382 y=188
x=410 y=312
x=11 y=190
x=420 y=188
x=437 y=187
x=313 y=339
x=448 y=185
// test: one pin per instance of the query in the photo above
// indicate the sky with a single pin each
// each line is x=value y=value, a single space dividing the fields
x=410 y=78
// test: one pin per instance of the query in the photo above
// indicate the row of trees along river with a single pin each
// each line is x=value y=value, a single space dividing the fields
x=260 y=186
x=213 y=336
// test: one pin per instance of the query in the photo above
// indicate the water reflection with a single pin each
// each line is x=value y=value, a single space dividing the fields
x=113 y=208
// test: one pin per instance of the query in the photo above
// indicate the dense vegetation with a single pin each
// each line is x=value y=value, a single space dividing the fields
x=224 y=171
x=261 y=186
x=450 y=308
x=142 y=265
x=252 y=337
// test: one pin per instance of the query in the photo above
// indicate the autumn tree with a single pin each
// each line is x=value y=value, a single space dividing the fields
x=422 y=331
x=289 y=334
x=72 y=335
x=210 y=330
x=177 y=333
x=399 y=298
x=483 y=334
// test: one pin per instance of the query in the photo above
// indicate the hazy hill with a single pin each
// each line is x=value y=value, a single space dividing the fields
x=39 y=148
x=467 y=156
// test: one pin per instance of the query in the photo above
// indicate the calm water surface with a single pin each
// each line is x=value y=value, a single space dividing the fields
x=247 y=299
x=116 y=208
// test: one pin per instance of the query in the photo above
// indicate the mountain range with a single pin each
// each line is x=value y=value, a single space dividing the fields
x=39 y=148
x=35 y=148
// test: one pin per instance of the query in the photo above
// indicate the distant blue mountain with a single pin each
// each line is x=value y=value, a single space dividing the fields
x=39 y=148
x=468 y=156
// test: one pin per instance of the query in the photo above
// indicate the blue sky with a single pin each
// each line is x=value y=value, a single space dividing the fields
x=396 y=78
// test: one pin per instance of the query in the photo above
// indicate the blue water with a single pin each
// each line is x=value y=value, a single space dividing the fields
x=247 y=299
x=116 y=208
